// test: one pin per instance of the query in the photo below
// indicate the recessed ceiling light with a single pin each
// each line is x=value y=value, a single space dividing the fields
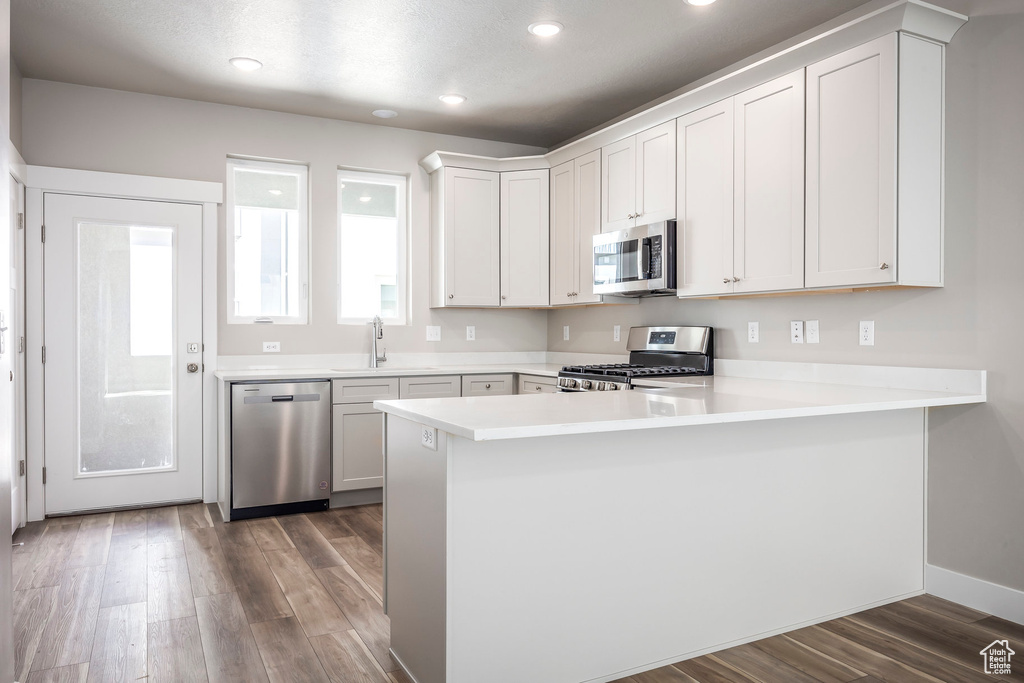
x=699 y=3
x=364 y=198
x=384 y=113
x=274 y=192
x=548 y=28
x=452 y=98
x=246 y=63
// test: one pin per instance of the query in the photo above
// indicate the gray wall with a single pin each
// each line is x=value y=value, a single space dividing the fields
x=976 y=475
x=109 y=130
x=15 y=107
x=6 y=454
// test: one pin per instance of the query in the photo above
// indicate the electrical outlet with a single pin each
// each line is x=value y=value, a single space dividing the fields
x=428 y=437
x=796 y=331
x=753 y=333
x=433 y=333
x=470 y=332
x=617 y=333
x=565 y=333
x=867 y=333
x=271 y=347
x=812 y=332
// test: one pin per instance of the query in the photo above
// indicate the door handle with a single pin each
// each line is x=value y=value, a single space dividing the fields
x=192 y=367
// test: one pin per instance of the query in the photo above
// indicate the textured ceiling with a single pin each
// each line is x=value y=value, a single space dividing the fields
x=342 y=59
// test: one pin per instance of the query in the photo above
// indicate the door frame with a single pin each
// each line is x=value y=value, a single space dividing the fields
x=19 y=172
x=42 y=179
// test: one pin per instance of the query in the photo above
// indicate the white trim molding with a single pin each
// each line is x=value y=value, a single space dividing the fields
x=1000 y=601
x=102 y=184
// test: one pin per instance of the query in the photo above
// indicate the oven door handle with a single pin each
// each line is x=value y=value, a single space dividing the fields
x=643 y=255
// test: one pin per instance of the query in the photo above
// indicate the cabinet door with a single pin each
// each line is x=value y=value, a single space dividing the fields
x=851 y=167
x=768 y=224
x=656 y=174
x=704 y=234
x=564 y=267
x=618 y=185
x=471 y=237
x=357 y=447
x=487 y=385
x=588 y=224
x=524 y=238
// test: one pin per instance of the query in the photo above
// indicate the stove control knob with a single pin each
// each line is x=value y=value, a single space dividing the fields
x=586 y=384
x=612 y=386
x=601 y=386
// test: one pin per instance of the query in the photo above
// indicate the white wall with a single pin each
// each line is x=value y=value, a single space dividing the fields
x=7 y=391
x=15 y=105
x=976 y=476
x=108 y=130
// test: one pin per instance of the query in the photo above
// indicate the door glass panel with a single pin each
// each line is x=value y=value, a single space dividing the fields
x=125 y=339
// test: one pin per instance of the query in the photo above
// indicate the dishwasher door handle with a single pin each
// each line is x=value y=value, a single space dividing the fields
x=281 y=398
x=278 y=399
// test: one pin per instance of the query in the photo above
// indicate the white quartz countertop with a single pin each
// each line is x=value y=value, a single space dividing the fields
x=678 y=403
x=272 y=374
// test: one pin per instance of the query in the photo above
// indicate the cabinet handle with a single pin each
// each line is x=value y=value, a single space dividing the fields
x=726 y=280
x=451 y=296
x=735 y=279
x=487 y=386
x=884 y=266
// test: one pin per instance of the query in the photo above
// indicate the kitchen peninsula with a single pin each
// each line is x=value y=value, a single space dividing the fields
x=585 y=537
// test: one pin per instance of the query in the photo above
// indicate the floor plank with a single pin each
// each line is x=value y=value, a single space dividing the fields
x=119 y=645
x=92 y=542
x=269 y=534
x=25 y=538
x=760 y=665
x=75 y=673
x=1002 y=627
x=312 y=604
x=347 y=659
x=811 y=662
x=366 y=563
x=707 y=670
x=67 y=638
x=946 y=608
x=665 y=674
x=311 y=544
x=162 y=525
x=365 y=527
x=362 y=610
x=399 y=676
x=331 y=524
x=32 y=608
x=287 y=653
x=852 y=654
x=230 y=650
x=257 y=587
x=169 y=589
x=50 y=558
x=195 y=516
x=127 y=574
x=176 y=652
x=207 y=566
x=131 y=523
x=375 y=511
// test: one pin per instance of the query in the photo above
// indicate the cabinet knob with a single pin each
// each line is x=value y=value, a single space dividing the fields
x=537 y=388
x=487 y=386
x=884 y=266
x=451 y=296
x=631 y=216
x=726 y=280
x=568 y=293
x=503 y=297
x=735 y=279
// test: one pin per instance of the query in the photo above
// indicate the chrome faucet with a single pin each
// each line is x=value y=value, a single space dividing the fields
x=378 y=333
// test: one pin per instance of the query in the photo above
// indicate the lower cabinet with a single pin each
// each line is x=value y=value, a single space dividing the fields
x=538 y=384
x=488 y=385
x=357 y=447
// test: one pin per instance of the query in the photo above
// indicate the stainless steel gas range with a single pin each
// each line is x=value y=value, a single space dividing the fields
x=653 y=352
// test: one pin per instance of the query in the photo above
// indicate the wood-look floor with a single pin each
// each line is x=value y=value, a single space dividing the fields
x=174 y=594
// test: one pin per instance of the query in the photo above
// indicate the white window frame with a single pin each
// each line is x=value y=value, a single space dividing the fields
x=401 y=243
x=302 y=315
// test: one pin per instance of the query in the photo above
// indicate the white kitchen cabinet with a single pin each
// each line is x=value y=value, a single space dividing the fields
x=741 y=192
x=465 y=237
x=357 y=447
x=444 y=386
x=538 y=384
x=638 y=179
x=575 y=219
x=488 y=385
x=524 y=238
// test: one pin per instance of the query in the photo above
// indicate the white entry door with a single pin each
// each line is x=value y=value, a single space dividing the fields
x=122 y=299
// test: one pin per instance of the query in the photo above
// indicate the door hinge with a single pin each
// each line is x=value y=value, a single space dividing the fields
x=44 y=355
x=204 y=367
x=44 y=476
x=21 y=221
x=43 y=234
x=21 y=345
x=21 y=468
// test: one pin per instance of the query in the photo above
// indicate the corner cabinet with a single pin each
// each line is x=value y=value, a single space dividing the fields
x=575 y=219
x=638 y=179
x=874 y=165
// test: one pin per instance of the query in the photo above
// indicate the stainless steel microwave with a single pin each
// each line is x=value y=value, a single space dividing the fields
x=638 y=261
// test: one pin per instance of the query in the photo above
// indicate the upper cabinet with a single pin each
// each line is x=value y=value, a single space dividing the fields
x=575 y=219
x=638 y=183
x=741 y=192
x=524 y=238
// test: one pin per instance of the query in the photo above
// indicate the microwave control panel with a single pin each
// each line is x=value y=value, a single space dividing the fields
x=655 y=271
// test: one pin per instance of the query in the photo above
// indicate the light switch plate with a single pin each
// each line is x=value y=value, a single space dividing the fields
x=867 y=333
x=433 y=333
x=753 y=332
x=812 y=332
x=470 y=332
x=428 y=437
x=272 y=347
x=565 y=333
x=617 y=333
x=796 y=331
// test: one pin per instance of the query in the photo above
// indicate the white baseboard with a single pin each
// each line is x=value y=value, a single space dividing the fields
x=991 y=598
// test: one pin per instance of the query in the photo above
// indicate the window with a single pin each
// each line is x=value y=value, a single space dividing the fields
x=371 y=247
x=268 y=233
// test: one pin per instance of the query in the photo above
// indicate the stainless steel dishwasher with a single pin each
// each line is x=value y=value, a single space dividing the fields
x=280 y=448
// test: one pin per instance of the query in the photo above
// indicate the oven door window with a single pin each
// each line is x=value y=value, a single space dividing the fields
x=618 y=262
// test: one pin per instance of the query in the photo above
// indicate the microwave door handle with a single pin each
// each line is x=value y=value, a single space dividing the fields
x=644 y=259
x=640 y=271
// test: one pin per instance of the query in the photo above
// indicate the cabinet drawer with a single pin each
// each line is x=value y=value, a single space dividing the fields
x=538 y=384
x=487 y=385
x=364 y=390
x=446 y=386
